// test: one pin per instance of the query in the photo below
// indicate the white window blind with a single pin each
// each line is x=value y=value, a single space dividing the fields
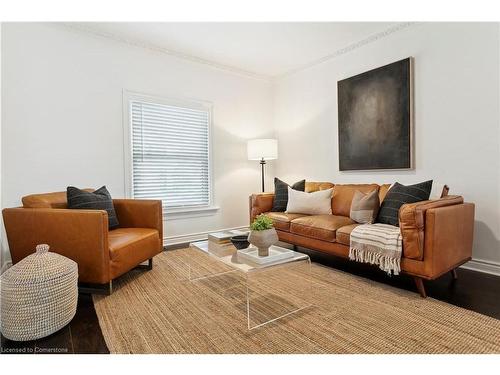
x=170 y=154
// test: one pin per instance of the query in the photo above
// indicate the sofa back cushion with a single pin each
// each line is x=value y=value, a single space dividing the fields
x=311 y=187
x=343 y=194
x=382 y=191
x=47 y=200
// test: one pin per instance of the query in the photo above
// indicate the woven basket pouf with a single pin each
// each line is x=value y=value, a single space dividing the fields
x=39 y=295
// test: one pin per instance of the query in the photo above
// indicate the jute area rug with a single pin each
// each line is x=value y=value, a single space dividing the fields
x=161 y=312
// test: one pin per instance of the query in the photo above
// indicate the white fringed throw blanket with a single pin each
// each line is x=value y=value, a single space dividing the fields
x=379 y=244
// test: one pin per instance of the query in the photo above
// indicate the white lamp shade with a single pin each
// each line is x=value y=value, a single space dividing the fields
x=259 y=149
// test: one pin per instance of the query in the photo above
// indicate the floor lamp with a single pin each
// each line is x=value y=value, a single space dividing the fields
x=262 y=150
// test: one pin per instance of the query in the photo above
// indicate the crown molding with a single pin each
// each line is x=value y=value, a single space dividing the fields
x=81 y=28
x=351 y=47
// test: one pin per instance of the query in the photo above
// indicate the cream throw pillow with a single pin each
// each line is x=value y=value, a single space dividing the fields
x=316 y=203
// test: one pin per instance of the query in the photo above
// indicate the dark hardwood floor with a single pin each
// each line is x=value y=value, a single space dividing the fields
x=472 y=290
x=81 y=335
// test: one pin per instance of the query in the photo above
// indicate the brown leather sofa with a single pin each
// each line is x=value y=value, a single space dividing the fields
x=82 y=235
x=437 y=234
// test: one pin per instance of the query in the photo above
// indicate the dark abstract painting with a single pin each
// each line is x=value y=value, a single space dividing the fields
x=374 y=110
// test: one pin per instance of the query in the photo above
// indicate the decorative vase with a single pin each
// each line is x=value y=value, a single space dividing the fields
x=262 y=239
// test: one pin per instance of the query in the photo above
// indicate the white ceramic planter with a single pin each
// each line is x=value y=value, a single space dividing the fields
x=262 y=239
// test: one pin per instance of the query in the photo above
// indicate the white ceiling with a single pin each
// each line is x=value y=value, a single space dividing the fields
x=266 y=49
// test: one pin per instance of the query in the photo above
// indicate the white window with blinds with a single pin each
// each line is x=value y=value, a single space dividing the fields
x=169 y=144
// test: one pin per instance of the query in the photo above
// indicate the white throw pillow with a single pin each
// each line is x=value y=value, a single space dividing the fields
x=316 y=203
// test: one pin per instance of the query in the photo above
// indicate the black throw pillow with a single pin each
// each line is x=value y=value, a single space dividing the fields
x=399 y=195
x=98 y=200
x=281 y=193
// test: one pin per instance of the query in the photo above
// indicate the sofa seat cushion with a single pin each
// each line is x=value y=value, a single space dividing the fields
x=321 y=227
x=130 y=246
x=281 y=220
x=343 y=235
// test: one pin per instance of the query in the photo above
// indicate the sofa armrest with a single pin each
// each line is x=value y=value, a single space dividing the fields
x=260 y=203
x=81 y=235
x=449 y=234
x=412 y=223
x=140 y=213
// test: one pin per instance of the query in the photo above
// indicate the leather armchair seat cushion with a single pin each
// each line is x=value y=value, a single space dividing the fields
x=130 y=246
x=281 y=220
x=343 y=235
x=321 y=227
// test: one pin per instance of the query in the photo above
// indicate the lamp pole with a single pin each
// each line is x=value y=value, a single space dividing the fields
x=262 y=150
x=262 y=163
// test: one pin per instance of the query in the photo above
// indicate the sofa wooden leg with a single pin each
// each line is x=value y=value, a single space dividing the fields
x=454 y=274
x=419 y=282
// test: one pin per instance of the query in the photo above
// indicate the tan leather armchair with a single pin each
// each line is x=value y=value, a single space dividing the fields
x=82 y=235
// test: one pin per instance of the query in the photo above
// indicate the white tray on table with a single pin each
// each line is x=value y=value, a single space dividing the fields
x=276 y=254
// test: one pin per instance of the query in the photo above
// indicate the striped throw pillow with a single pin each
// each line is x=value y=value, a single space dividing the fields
x=364 y=207
x=399 y=195
x=98 y=200
x=281 y=193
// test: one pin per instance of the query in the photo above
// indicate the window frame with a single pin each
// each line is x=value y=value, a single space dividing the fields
x=181 y=212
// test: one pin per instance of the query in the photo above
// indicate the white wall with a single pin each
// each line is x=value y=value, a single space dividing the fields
x=456 y=117
x=62 y=117
x=62 y=102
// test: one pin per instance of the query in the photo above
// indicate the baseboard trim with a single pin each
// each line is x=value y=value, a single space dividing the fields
x=186 y=238
x=481 y=265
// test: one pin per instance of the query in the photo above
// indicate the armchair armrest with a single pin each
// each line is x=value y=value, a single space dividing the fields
x=140 y=213
x=260 y=203
x=81 y=235
x=412 y=223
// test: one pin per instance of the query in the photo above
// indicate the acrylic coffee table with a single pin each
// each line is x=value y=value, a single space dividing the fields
x=258 y=281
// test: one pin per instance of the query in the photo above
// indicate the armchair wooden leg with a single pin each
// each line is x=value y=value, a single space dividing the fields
x=419 y=282
x=454 y=274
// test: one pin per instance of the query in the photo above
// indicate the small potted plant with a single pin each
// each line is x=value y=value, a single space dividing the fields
x=262 y=234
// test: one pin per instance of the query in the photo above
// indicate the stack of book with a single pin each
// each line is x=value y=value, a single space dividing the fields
x=225 y=237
